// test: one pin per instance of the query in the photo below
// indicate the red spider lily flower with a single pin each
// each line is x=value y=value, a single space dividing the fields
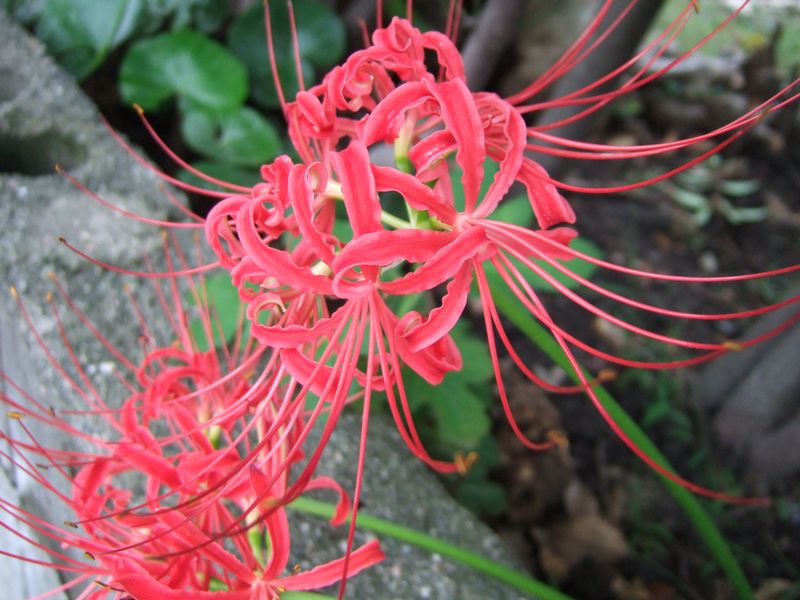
x=317 y=297
x=187 y=498
x=429 y=120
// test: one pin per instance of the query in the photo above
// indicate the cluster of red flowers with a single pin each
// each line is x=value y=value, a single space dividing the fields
x=215 y=434
x=187 y=498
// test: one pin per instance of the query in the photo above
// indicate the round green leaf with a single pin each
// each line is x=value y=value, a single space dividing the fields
x=242 y=137
x=81 y=33
x=207 y=16
x=184 y=64
x=321 y=34
x=321 y=39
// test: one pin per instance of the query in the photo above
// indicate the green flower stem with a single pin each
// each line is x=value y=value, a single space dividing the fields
x=480 y=563
x=396 y=222
x=705 y=526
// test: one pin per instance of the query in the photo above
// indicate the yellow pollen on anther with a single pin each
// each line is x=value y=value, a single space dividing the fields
x=731 y=345
x=296 y=569
x=138 y=108
x=89 y=555
x=558 y=438
x=15 y=415
x=13 y=291
x=72 y=524
x=464 y=462
x=607 y=375
x=270 y=503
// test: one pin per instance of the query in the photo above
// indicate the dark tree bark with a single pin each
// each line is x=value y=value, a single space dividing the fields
x=615 y=50
x=496 y=29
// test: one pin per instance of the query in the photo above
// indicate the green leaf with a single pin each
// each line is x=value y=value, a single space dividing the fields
x=690 y=200
x=220 y=170
x=745 y=214
x=242 y=137
x=484 y=498
x=321 y=33
x=223 y=308
x=81 y=33
x=203 y=15
x=321 y=36
x=656 y=412
x=460 y=414
x=490 y=168
x=184 y=64
x=740 y=187
x=24 y=11
x=516 y=210
x=475 y=354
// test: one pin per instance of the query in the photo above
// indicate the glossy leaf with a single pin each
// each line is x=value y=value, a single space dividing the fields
x=321 y=37
x=242 y=137
x=184 y=64
x=204 y=15
x=24 y=11
x=81 y=33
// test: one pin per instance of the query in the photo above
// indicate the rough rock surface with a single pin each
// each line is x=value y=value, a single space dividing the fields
x=756 y=396
x=44 y=120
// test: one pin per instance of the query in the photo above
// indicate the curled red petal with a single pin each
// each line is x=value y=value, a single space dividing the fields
x=548 y=205
x=220 y=235
x=278 y=263
x=141 y=585
x=441 y=266
x=358 y=188
x=302 y=196
x=342 y=506
x=434 y=361
x=383 y=248
x=385 y=121
x=461 y=118
x=448 y=55
x=507 y=147
x=188 y=535
x=367 y=555
x=443 y=318
x=417 y=194
x=428 y=155
x=292 y=335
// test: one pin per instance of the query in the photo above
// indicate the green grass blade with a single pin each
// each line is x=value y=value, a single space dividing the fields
x=480 y=563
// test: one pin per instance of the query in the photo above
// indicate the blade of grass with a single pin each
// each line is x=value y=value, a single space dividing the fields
x=480 y=563
x=509 y=306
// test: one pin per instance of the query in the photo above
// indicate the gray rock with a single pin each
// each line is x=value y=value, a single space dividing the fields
x=399 y=488
x=756 y=395
x=45 y=119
